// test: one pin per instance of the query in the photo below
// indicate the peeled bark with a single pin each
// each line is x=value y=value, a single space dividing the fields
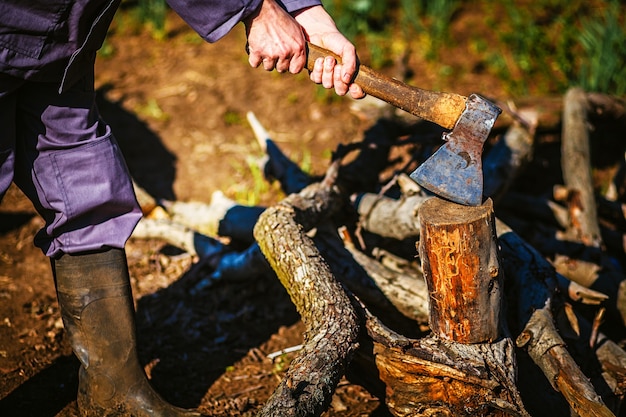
x=459 y=260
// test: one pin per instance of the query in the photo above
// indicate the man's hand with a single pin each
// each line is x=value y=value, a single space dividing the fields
x=275 y=39
x=320 y=29
x=278 y=40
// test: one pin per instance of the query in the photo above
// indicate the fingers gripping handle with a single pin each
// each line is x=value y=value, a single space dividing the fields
x=437 y=107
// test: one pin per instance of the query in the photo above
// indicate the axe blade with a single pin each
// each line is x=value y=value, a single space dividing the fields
x=454 y=171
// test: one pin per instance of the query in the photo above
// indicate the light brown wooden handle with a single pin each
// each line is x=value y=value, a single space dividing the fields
x=434 y=106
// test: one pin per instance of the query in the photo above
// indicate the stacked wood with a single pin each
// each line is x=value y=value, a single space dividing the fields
x=512 y=328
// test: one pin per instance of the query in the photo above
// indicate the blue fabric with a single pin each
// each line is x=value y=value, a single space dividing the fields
x=68 y=163
x=213 y=19
x=54 y=40
x=53 y=144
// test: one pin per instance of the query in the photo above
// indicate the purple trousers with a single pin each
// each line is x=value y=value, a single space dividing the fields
x=65 y=159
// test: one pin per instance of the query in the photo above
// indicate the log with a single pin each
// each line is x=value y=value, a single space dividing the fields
x=406 y=290
x=584 y=227
x=452 y=372
x=220 y=217
x=549 y=351
x=459 y=259
x=576 y=167
x=180 y=236
x=331 y=321
x=394 y=218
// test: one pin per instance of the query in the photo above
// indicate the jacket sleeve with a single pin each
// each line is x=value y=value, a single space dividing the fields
x=213 y=19
x=293 y=5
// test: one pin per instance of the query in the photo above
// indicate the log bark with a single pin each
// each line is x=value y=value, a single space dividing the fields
x=331 y=321
x=459 y=260
x=395 y=218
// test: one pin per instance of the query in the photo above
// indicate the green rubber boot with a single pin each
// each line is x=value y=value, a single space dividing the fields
x=97 y=308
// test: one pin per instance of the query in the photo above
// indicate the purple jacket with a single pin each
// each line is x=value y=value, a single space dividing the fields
x=53 y=40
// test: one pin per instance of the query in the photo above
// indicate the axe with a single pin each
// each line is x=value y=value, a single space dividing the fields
x=454 y=171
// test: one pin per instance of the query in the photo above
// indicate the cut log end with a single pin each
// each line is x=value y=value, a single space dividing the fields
x=443 y=213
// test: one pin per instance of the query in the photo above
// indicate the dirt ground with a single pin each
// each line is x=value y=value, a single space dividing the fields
x=178 y=108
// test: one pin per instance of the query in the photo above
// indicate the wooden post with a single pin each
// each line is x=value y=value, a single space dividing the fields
x=459 y=258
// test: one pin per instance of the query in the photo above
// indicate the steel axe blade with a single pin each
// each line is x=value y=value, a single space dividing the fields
x=454 y=171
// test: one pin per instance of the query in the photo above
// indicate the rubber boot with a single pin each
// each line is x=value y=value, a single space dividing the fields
x=97 y=309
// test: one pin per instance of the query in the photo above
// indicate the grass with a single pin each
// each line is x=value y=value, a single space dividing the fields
x=542 y=46
x=603 y=41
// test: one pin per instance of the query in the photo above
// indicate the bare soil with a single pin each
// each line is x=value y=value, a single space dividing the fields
x=178 y=108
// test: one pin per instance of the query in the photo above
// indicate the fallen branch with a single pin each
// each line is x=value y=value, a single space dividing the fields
x=331 y=322
x=542 y=341
x=535 y=282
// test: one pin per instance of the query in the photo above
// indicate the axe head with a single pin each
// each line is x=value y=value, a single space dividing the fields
x=454 y=171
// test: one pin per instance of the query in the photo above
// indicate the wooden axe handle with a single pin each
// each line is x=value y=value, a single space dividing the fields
x=437 y=107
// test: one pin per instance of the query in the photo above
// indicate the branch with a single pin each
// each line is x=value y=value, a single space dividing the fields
x=331 y=322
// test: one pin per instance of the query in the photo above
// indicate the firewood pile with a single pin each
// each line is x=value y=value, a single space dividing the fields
x=516 y=307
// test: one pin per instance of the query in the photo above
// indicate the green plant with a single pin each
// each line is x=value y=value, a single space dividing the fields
x=546 y=46
x=148 y=13
x=359 y=17
x=153 y=110
x=376 y=21
x=536 y=43
x=251 y=191
x=107 y=50
x=603 y=40
x=233 y=118
x=431 y=19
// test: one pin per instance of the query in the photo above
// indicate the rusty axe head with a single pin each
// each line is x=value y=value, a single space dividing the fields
x=454 y=171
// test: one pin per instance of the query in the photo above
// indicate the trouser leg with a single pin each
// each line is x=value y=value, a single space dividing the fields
x=70 y=166
x=7 y=131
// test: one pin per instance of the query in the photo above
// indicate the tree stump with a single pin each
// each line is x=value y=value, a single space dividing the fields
x=459 y=258
x=467 y=366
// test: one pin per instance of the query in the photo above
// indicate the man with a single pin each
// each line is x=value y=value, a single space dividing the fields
x=56 y=148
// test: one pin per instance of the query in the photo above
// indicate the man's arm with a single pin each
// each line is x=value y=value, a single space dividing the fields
x=277 y=39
